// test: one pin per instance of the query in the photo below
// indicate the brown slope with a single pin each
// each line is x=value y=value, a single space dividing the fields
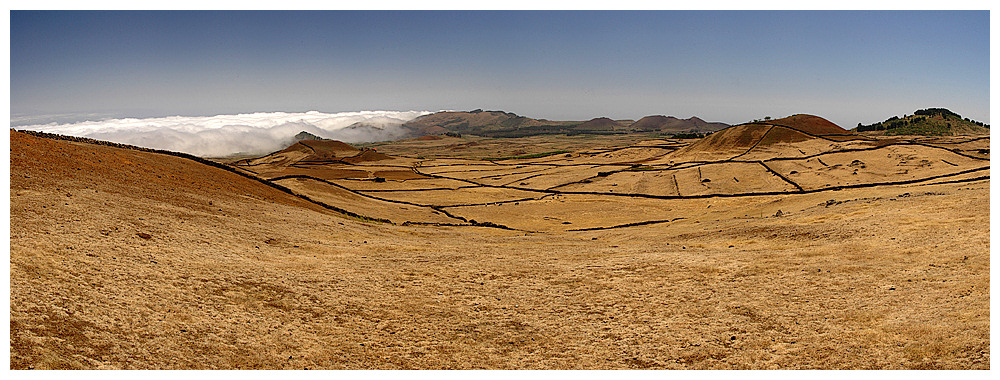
x=810 y=124
x=651 y=123
x=367 y=155
x=43 y=163
x=455 y=121
x=305 y=150
x=328 y=150
x=599 y=124
x=672 y=124
x=126 y=259
x=741 y=139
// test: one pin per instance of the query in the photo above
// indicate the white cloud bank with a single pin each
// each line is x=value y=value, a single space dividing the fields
x=223 y=135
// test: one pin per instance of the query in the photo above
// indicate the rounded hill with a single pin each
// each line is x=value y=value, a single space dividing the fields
x=810 y=124
x=599 y=124
x=672 y=124
x=741 y=139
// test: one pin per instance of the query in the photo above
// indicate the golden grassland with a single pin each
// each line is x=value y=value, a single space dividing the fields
x=618 y=255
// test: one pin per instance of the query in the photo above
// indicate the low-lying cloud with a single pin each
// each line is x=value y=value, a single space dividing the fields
x=224 y=135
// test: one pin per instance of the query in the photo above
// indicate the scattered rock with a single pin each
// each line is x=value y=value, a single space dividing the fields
x=779 y=213
x=144 y=235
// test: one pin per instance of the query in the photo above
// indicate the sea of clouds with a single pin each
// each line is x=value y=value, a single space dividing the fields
x=224 y=135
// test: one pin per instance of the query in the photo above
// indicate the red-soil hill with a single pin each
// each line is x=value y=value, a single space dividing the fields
x=736 y=137
x=305 y=150
x=792 y=129
x=72 y=167
x=367 y=155
x=650 y=123
x=599 y=124
x=810 y=124
x=326 y=150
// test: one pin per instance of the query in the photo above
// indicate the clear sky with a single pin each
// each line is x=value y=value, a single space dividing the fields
x=729 y=66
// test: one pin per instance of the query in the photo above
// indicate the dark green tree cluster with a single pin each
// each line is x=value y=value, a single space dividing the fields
x=944 y=112
x=920 y=119
x=892 y=123
x=979 y=123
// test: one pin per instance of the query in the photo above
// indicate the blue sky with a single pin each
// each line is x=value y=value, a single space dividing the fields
x=729 y=66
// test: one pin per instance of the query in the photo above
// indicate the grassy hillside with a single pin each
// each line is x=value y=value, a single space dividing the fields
x=926 y=122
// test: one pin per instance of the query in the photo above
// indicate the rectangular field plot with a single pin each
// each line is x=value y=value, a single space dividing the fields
x=730 y=178
x=582 y=212
x=489 y=176
x=656 y=182
x=707 y=179
x=321 y=172
x=562 y=175
x=891 y=164
x=626 y=155
x=358 y=204
x=464 y=196
x=459 y=168
x=410 y=184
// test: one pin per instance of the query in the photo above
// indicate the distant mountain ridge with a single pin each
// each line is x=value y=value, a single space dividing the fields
x=474 y=122
x=509 y=124
x=662 y=123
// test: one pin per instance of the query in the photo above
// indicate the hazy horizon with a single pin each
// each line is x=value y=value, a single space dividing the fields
x=249 y=133
x=729 y=66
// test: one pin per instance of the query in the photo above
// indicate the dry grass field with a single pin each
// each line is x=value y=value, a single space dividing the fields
x=787 y=245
